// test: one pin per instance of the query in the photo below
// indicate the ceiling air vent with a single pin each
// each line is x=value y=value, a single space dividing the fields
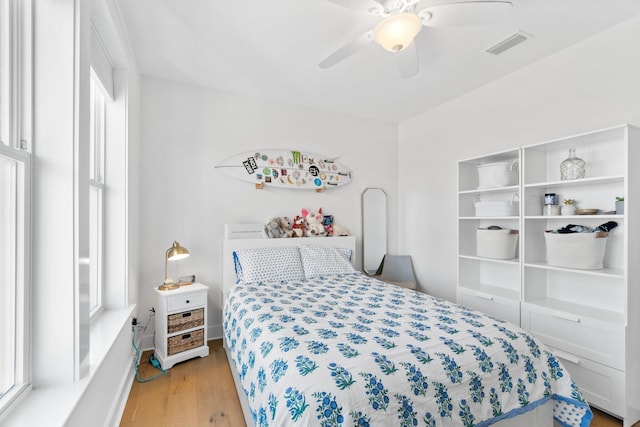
x=508 y=43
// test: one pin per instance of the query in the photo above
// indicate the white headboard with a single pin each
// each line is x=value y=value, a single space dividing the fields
x=228 y=246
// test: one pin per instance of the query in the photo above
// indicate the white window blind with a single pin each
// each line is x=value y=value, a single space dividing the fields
x=101 y=64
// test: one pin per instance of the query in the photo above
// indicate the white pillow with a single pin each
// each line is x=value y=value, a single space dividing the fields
x=318 y=261
x=346 y=252
x=268 y=264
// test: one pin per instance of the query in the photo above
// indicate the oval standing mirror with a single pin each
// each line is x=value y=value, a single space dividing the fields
x=374 y=229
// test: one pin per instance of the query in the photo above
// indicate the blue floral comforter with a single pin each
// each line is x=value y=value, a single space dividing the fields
x=351 y=350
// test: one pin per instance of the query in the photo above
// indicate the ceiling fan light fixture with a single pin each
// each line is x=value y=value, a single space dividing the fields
x=397 y=31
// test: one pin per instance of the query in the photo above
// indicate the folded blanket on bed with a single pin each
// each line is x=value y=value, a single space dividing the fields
x=351 y=350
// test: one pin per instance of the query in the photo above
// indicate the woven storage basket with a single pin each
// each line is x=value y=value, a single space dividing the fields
x=184 y=342
x=583 y=251
x=496 y=244
x=499 y=174
x=183 y=321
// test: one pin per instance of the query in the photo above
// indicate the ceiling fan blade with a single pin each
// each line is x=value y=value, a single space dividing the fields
x=407 y=61
x=466 y=13
x=363 y=6
x=347 y=50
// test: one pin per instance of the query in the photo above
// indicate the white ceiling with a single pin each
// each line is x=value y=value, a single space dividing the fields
x=272 y=49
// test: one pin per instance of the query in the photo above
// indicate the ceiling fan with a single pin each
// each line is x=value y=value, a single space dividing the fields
x=402 y=21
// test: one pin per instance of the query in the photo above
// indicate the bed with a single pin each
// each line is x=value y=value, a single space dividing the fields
x=311 y=341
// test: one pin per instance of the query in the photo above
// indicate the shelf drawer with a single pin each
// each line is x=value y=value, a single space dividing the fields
x=185 y=320
x=502 y=308
x=186 y=302
x=184 y=342
x=595 y=340
x=601 y=385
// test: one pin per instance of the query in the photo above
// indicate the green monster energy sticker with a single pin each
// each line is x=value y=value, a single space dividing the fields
x=296 y=156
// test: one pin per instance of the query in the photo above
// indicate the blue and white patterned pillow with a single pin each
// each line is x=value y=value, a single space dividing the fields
x=268 y=264
x=318 y=261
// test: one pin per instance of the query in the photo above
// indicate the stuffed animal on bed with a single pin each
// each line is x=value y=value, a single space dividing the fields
x=272 y=228
x=339 y=230
x=333 y=229
x=298 y=226
x=286 y=226
x=314 y=220
x=327 y=222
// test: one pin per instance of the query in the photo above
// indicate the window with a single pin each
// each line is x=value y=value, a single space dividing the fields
x=15 y=182
x=96 y=197
x=14 y=168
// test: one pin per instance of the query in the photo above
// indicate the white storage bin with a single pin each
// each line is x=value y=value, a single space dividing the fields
x=496 y=244
x=499 y=174
x=583 y=251
x=497 y=208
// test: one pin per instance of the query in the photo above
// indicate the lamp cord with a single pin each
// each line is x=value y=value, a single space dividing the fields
x=143 y=380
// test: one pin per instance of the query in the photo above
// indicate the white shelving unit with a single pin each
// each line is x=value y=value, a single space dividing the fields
x=489 y=285
x=589 y=318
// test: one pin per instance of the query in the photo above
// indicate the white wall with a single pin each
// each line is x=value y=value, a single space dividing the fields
x=591 y=85
x=187 y=130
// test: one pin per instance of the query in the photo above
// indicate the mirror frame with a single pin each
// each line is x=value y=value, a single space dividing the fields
x=377 y=231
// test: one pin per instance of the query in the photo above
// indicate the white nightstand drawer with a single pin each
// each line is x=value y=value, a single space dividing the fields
x=185 y=301
x=585 y=337
x=601 y=385
x=502 y=308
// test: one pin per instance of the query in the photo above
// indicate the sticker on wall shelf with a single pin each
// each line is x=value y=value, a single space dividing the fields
x=286 y=169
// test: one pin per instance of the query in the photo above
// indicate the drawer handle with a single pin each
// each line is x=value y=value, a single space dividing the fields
x=566 y=316
x=484 y=296
x=186 y=336
x=187 y=314
x=188 y=301
x=566 y=356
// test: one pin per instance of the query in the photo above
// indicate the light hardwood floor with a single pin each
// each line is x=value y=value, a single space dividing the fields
x=201 y=392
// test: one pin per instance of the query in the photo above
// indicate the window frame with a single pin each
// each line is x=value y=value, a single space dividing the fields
x=15 y=138
x=21 y=275
x=98 y=125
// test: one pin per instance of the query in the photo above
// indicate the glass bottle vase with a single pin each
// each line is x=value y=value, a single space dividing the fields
x=572 y=167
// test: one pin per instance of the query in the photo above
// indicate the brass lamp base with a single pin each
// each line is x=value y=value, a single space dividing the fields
x=168 y=286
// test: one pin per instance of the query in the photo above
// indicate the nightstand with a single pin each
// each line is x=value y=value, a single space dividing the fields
x=181 y=324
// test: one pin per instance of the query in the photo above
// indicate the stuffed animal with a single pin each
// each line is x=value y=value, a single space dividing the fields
x=327 y=222
x=286 y=227
x=314 y=220
x=298 y=227
x=339 y=230
x=272 y=228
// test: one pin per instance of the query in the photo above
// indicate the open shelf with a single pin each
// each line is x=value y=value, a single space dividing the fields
x=514 y=261
x=576 y=182
x=614 y=273
x=478 y=191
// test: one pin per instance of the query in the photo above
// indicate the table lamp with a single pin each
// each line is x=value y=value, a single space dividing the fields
x=174 y=253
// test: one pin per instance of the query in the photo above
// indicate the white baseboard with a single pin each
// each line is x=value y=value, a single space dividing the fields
x=121 y=402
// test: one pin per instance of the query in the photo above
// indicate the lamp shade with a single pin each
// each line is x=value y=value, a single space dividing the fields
x=397 y=31
x=176 y=252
